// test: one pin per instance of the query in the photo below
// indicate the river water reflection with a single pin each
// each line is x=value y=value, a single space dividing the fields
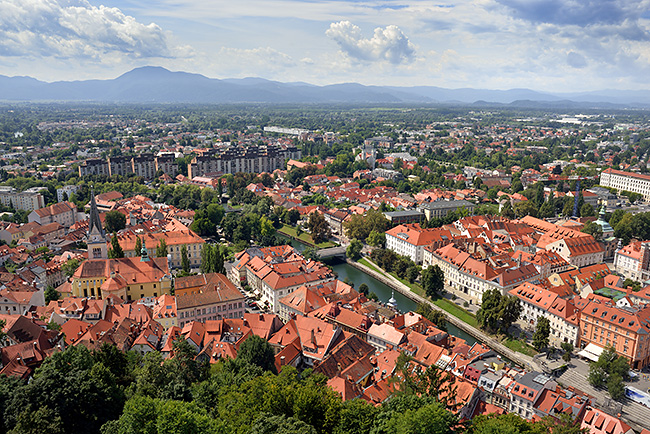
x=404 y=304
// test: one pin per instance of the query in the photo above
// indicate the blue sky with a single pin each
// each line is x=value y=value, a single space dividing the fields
x=547 y=45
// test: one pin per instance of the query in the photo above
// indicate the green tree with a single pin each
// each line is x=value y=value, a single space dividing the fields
x=412 y=273
x=497 y=312
x=376 y=239
x=138 y=245
x=433 y=280
x=320 y=230
x=114 y=221
x=507 y=211
x=51 y=294
x=161 y=249
x=542 y=333
x=257 y=351
x=430 y=419
x=616 y=217
x=353 y=251
x=360 y=226
x=364 y=289
x=568 y=350
x=185 y=260
x=593 y=229
x=356 y=416
x=586 y=210
x=115 y=251
x=616 y=387
x=435 y=316
x=70 y=266
x=267 y=423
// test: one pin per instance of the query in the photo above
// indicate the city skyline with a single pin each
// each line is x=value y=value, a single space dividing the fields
x=557 y=46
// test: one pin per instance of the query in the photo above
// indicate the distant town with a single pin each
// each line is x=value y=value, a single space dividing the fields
x=324 y=269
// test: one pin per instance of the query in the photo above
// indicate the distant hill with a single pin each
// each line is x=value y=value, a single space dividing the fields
x=152 y=84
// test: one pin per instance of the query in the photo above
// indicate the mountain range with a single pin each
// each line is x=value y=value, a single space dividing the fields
x=152 y=84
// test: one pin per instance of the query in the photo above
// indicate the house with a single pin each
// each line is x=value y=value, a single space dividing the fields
x=597 y=421
x=164 y=311
x=174 y=239
x=633 y=260
x=537 y=302
x=411 y=239
x=64 y=213
x=602 y=324
x=526 y=390
x=218 y=299
x=385 y=336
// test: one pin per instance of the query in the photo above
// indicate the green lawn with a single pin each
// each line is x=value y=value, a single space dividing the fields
x=304 y=237
x=369 y=265
x=456 y=311
x=519 y=346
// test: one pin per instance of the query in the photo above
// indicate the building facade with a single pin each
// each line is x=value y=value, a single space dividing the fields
x=628 y=181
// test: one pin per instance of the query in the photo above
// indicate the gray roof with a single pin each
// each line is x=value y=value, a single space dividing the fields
x=403 y=213
x=438 y=204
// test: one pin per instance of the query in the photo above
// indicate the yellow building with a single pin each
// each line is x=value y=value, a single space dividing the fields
x=126 y=278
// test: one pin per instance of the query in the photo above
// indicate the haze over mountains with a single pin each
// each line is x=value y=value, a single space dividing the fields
x=158 y=85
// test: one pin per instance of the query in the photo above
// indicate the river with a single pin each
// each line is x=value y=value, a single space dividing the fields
x=404 y=304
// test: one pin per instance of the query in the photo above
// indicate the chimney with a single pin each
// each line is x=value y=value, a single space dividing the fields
x=282 y=361
x=313 y=337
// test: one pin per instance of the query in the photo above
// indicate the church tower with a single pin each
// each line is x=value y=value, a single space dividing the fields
x=95 y=238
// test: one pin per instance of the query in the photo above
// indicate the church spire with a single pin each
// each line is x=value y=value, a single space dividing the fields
x=95 y=221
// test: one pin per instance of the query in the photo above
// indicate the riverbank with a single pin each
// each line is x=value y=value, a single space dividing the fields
x=304 y=238
x=518 y=358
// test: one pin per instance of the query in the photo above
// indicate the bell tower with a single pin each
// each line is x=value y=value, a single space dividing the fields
x=96 y=237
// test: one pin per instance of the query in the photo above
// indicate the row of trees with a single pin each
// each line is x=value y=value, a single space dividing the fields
x=110 y=392
x=390 y=261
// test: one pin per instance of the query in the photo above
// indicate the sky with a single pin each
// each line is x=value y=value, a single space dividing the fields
x=545 y=45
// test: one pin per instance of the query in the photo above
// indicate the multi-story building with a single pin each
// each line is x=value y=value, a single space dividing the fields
x=63 y=213
x=166 y=162
x=95 y=166
x=253 y=159
x=27 y=200
x=144 y=165
x=280 y=279
x=175 y=241
x=537 y=302
x=577 y=248
x=216 y=300
x=473 y=277
x=526 y=391
x=164 y=311
x=626 y=181
x=122 y=166
x=633 y=260
x=126 y=278
x=68 y=190
x=625 y=328
x=440 y=208
x=411 y=239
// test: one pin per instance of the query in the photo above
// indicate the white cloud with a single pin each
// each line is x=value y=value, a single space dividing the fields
x=261 y=61
x=387 y=44
x=76 y=29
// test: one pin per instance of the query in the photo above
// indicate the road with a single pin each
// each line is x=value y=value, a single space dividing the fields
x=632 y=412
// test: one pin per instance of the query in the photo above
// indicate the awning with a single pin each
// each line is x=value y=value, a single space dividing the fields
x=591 y=352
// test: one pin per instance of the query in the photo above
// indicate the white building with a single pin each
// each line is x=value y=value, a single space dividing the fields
x=28 y=200
x=410 y=240
x=628 y=181
x=473 y=278
x=537 y=302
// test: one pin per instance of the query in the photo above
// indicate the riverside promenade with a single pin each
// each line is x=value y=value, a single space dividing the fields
x=518 y=358
x=635 y=414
